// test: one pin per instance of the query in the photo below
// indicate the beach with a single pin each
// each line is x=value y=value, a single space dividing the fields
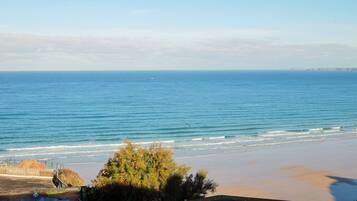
x=319 y=171
x=178 y=100
x=272 y=134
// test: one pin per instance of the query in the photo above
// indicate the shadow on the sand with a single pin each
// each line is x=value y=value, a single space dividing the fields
x=343 y=189
x=117 y=192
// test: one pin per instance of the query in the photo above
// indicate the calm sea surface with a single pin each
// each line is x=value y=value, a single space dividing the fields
x=71 y=115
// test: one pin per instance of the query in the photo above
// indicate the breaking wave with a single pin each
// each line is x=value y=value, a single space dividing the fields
x=268 y=138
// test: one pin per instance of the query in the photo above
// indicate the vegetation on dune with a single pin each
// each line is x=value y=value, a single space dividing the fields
x=70 y=178
x=33 y=164
x=139 y=167
x=136 y=173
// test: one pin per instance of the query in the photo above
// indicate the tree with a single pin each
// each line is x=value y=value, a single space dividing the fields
x=188 y=188
x=136 y=173
x=140 y=167
x=198 y=186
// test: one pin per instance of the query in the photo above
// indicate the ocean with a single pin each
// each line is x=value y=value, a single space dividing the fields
x=85 y=116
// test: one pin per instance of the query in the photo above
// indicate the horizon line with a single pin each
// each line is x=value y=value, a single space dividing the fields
x=191 y=70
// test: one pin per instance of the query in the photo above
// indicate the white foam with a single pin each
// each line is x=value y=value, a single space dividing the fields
x=216 y=138
x=336 y=128
x=59 y=147
x=56 y=153
x=316 y=130
x=313 y=136
x=207 y=144
x=283 y=133
x=167 y=141
x=276 y=132
x=153 y=142
x=197 y=139
x=333 y=129
x=254 y=140
x=265 y=139
x=66 y=147
x=284 y=142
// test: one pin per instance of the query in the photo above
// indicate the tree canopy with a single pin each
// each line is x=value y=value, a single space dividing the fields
x=153 y=170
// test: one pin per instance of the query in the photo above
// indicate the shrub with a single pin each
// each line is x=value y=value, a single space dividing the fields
x=70 y=178
x=33 y=164
x=136 y=173
x=118 y=192
x=198 y=186
x=139 y=167
x=188 y=188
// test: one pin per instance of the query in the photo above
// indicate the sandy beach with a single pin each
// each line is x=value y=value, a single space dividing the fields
x=319 y=171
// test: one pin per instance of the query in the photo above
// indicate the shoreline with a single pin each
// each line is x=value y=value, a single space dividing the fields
x=90 y=152
x=302 y=171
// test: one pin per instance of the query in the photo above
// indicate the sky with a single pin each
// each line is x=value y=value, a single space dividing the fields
x=177 y=35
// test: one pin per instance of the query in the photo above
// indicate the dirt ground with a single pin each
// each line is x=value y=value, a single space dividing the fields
x=15 y=186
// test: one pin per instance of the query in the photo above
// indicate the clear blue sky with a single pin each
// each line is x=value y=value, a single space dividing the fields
x=175 y=35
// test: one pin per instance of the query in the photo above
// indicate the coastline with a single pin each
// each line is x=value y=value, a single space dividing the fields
x=301 y=171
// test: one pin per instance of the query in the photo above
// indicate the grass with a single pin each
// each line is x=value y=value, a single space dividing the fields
x=61 y=191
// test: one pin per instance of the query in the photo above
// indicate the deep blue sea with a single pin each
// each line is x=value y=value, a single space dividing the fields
x=86 y=115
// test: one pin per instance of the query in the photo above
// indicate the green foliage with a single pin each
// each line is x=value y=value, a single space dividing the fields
x=139 y=167
x=188 y=188
x=136 y=173
x=198 y=186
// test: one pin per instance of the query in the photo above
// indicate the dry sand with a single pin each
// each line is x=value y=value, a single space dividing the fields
x=321 y=171
x=317 y=178
x=244 y=191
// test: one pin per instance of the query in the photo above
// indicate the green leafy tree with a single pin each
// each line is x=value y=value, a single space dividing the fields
x=135 y=173
x=140 y=167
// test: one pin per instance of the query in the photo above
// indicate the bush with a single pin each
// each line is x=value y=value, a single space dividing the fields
x=70 y=178
x=136 y=173
x=188 y=188
x=139 y=167
x=198 y=186
x=118 y=192
x=32 y=164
